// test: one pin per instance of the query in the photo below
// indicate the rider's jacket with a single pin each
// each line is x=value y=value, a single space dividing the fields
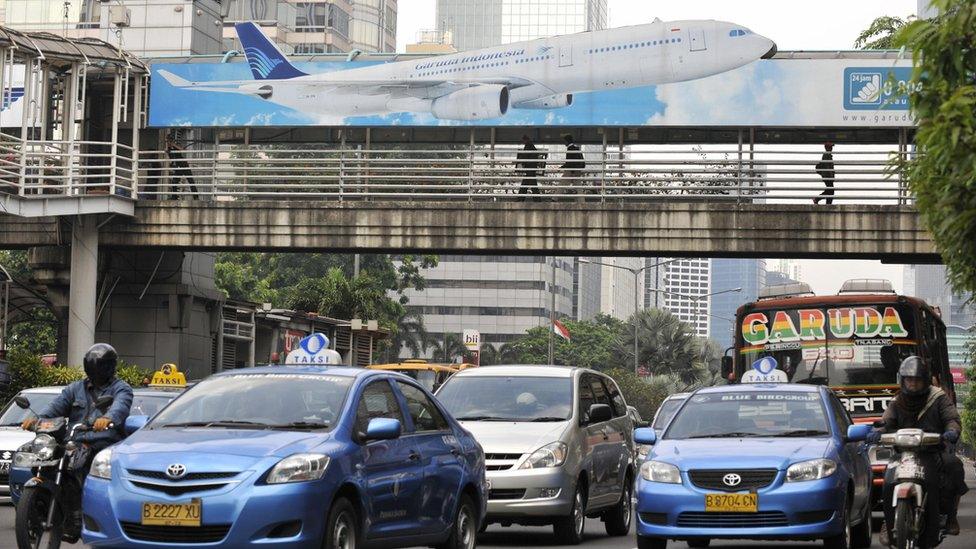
x=938 y=415
x=77 y=402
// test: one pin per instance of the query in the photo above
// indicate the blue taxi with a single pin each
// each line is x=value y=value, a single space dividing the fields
x=291 y=456
x=756 y=461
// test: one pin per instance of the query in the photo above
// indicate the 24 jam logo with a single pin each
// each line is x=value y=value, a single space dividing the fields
x=877 y=88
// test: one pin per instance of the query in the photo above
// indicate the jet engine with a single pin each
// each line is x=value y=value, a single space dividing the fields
x=474 y=103
x=550 y=102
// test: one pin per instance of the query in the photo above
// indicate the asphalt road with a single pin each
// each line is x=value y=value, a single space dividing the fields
x=498 y=537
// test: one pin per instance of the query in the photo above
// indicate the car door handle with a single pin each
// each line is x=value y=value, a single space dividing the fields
x=455 y=452
x=414 y=456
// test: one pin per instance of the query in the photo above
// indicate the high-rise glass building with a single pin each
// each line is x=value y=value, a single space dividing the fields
x=483 y=23
x=748 y=274
x=680 y=287
x=930 y=282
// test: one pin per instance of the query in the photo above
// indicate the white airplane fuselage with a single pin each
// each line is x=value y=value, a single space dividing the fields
x=536 y=74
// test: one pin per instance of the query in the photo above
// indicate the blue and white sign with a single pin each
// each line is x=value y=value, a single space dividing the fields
x=764 y=371
x=877 y=88
x=313 y=349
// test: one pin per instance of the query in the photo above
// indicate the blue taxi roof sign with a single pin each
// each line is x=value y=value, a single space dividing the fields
x=313 y=349
x=764 y=371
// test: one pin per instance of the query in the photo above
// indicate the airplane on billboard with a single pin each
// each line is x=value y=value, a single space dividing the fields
x=486 y=83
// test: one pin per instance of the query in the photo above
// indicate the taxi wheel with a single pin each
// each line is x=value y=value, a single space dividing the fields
x=342 y=530
x=651 y=543
x=842 y=540
x=569 y=529
x=618 y=519
x=464 y=531
x=863 y=531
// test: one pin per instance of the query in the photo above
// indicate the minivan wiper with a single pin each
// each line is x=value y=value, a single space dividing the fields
x=727 y=435
x=300 y=425
x=545 y=419
x=802 y=433
x=484 y=418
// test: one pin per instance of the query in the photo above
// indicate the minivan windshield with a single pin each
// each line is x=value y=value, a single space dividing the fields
x=14 y=415
x=750 y=414
x=508 y=398
x=259 y=401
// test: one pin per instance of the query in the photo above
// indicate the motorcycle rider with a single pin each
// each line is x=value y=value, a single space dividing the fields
x=919 y=405
x=77 y=403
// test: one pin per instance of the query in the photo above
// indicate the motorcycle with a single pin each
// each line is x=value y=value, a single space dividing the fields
x=49 y=508
x=909 y=497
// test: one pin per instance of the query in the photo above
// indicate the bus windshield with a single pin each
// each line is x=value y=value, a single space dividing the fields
x=858 y=345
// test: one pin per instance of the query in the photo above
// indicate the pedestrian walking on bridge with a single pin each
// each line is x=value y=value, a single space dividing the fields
x=574 y=165
x=528 y=163
x=826 y=170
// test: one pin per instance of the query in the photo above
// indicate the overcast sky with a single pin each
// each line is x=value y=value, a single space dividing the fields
x=822 y=25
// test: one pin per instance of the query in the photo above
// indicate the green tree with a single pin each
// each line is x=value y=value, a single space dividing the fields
x=592 y=344
x=34 y=331
x=645 y=395
x=409 y=333
x=504 y=354
x=943 y=100
x=666 y=346
x=450 y=348
x=969 y=405
x=880 y=34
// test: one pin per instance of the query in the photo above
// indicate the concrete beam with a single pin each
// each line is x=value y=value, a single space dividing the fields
x=83 y=287
x=690 y=229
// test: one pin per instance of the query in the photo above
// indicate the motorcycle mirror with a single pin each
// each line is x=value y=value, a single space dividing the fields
x=22 y=402
x=104 y=402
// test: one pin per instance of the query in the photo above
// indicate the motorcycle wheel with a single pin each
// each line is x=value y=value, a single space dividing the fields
x=31 y=513
x=903 y=530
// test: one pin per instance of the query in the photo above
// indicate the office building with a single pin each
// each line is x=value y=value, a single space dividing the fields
x=681 y=287
x=748 y=274
x=617 y=289
x=484 y=23
x=930 y=283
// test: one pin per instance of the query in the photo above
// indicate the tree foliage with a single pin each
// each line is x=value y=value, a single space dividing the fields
x=644 y=394
x=593 y=344
x=666 y=346
x=26 y=371
x=880 y=35
x=969 y=405
x=943 y=101
x=37 y=330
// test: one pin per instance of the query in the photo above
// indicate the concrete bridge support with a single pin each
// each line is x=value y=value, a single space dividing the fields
x=84 y=282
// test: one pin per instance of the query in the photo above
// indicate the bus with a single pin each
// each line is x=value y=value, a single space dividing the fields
x=853 y=342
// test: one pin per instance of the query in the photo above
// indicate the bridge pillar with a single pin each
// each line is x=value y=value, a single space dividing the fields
x=83 y=287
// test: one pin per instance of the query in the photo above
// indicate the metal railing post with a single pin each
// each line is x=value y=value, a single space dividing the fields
x=136 y=126
x=471 y=166
x=738 y=172
x=603 y=170
x=114 y=147
x=342 y=164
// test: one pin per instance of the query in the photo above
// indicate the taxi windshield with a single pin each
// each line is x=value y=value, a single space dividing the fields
x=259 y=401
x=750 y=414
x=14 y=415
x=859 y=345
x=498 y=398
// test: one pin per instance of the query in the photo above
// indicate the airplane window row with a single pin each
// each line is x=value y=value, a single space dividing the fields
x=459 y=69
x=531 y=59
x=636 y=45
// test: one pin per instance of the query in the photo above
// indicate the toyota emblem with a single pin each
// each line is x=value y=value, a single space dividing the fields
x=176 y=471
x=732 y=480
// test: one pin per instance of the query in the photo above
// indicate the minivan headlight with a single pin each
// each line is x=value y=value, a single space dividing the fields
x=299 y=468
x=101 y=466
x=658 y=471
x=815 y=469
x=550 y=455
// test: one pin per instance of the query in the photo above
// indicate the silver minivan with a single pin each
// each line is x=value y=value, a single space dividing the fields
x=557 y=443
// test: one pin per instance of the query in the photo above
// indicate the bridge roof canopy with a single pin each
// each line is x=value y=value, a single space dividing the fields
x=60 y=51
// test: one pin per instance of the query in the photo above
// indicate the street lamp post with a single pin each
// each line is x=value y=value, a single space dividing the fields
x=636 y=273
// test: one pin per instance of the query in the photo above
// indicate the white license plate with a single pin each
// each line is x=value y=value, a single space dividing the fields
x=4 y=467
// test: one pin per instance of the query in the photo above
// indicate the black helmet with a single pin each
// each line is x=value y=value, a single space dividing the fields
x=914 y=366
x=100 y=362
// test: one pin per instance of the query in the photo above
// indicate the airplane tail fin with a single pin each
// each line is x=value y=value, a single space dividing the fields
x=266 y=60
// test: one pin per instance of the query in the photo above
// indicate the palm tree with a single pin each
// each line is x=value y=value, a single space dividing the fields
x=409 y=333
x=489 y=355
x=449 y=348
x=666 y=345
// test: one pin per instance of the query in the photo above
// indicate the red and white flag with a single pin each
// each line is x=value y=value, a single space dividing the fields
x=560 y=329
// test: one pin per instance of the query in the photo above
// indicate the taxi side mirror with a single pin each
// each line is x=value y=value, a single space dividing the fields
x=858 y=433
x=382 y=428
x=645 y=435
x=726 y=367
x=134 y=423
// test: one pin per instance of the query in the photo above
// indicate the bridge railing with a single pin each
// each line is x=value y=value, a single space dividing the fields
x=771 y=174
x=45 y=168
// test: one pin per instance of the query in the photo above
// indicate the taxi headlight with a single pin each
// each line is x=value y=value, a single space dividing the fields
x=44 y=446
x=101 y=466
x=299 y=468
x=815 y=469
x=550 y=455
x=658 y=471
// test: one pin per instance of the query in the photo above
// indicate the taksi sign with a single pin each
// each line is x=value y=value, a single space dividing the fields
x=764 y=371
x=313 y=349
x=168 y=376
x=761 y=328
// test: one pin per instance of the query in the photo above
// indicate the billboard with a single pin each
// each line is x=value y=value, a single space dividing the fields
x=684 y=73
x=12 y=103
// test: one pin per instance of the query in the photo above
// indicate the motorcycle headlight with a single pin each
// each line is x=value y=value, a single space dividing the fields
x=815 y=469
x=44 y=446
x=550 y=455
x=908 y=439
x=101 y=466
x=24 y=457
x=299 y=468
x=658 y=471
